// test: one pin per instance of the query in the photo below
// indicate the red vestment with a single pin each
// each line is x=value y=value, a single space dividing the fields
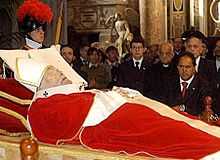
x=132 y=128
x=15 y=98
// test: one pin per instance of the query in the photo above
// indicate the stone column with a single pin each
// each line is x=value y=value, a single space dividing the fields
x=152 y=20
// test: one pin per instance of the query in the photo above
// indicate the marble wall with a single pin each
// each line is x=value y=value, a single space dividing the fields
x=152 y=20
x=89 y=16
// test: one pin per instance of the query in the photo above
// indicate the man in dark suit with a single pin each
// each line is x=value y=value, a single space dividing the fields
x=178 y=48
x=186 y=92
x=82 y=59
x=68 y=54
x=112 y=62
x=205 y=67
x=95 y=73
x=216 y=53
x=132 y=73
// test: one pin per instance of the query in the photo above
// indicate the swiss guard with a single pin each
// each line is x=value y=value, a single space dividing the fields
x=33 y=18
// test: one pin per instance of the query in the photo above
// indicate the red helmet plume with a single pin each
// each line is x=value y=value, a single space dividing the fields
x=36 y=10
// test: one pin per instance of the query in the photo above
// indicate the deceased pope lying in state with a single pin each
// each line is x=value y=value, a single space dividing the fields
x=120 y=120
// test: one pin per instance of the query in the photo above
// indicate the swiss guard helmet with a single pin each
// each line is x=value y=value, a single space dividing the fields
x=33 y=14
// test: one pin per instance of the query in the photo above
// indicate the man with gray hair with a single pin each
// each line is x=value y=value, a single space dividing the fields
x=162 y=71
x=205 y=67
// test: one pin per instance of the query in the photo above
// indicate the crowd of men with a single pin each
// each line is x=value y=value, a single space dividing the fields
x=176 y=73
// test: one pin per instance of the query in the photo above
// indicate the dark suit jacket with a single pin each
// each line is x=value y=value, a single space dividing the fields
x=160 y=76
x=114 y=74
x=77 y=65
x=131 y=77
x=176 y=57
x=101 y=74
x=217 y=78
x=193 y=100
x=217 y=91
x=217 y=102
x=207 y=69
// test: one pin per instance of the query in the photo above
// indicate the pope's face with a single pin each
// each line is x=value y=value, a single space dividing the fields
x=37 y=35
x=52 y=78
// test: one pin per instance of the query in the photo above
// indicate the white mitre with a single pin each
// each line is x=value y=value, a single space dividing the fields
x=49 y=56
x=29 y=72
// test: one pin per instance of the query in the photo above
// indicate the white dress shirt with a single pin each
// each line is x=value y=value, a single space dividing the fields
x=188 y=82
x=197 y=63
x=139 y=61
x=217 y=64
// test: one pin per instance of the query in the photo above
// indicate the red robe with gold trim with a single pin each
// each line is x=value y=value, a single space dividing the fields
x=16 y=99
x=132 y=128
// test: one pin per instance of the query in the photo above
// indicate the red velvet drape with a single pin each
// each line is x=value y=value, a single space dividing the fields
x=59 y=117
x=134 y=129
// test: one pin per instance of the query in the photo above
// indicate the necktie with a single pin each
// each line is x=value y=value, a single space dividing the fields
x=183 y=92
x=137 y=65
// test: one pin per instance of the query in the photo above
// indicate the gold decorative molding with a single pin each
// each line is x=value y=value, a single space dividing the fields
x=15 y=99
x=178 y=4
x=211 y=11
x=15 y=115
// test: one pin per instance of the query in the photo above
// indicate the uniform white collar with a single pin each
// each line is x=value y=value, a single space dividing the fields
x=165 y=65
x=32 y=44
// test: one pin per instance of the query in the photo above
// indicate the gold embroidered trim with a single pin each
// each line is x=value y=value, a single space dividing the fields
x=15 y=99
x=16 y=115
x=17 y=134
